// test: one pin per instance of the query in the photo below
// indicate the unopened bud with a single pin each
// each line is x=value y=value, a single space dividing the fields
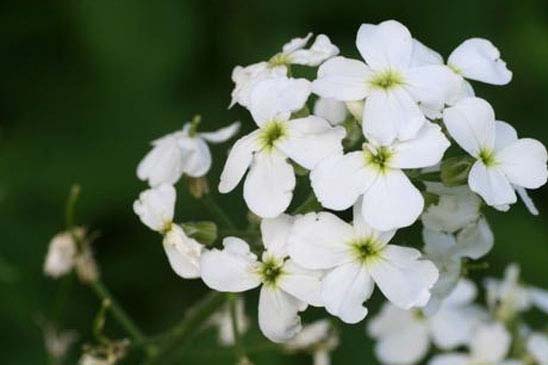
x=454 y=170
x=204 y=232
x=198 y=186
x=356 y=109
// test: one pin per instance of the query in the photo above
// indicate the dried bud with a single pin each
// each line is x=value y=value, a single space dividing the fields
x=197 y=186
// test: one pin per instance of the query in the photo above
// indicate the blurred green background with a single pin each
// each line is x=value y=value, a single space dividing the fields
x=86 y=84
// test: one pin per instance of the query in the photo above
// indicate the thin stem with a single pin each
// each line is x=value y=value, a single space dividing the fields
x=71 y=205
x=309 y=202
x=217 y=211
x=118 y=313
x=239 y=350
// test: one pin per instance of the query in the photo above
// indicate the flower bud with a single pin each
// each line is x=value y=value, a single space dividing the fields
x=356 y=109
x=204 y=232
x=197 y=186
x=454 y=170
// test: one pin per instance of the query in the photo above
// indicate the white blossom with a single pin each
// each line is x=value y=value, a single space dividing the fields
x=318 y=338
x=390 y=200
x=268 y=187
x=358 y=257
x=58 y=342
x=182 y=152
x=537 y=348
x=155 y=207
x=286 y=287
x=61 y=255
x=292 y=52
x=404 y=336
x=504 y=163
x=223 y=321
x=390 y=83
x=332 y=110
x=489 y=345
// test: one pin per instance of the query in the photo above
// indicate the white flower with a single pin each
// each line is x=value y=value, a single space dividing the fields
x=537 y=347
x=359 y=257
x=183 y=152
x=446 y=250
x=155 y=207
x=61 y=256
x=404 y=336
x=319 y=338
x=508 y=297
x=58 y=342
x=292 y=52
x=457 y=207
x=488 y=346
x=223 y=321
x=504 y=163
x=268 y=187
x=389 y=198
x=286 y=287
x=332 y=110
x=390 y=83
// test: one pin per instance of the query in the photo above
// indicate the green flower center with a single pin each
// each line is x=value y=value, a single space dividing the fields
x=487 y=157
x=270 y=271
x=387 y=79
x=455 y=69
x=379 y=157
x=272 y=132
x=366 y=249
x=279 y=59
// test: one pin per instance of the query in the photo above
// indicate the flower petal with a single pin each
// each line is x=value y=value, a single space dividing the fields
x=471 y=122
x=526 y=199
x=338 y=181
x=233 y=269
x=321 y=50
x=301 y=283
x=319 y=241
x=196 y=160
x=332 y=110
x=537 y=347
x=183 y=253
x=238 y=161
x=491 y=184
x=344 y=289
x=387 y=45
x=163 y=164
x=539 y=297
x=524 y=163
x=311 y=140
x=342 y=79
x=423 y=55
x=403 y=277
x=155 y=207
x=505 y=135
x=392 y=114
x=490 y=343
x=431 y=84
x=475 y=240
x=478 y=59
x=392 y=202
x=405 y=347
x=278 y=314
x=425 y=150
x=453 y=327
x=222 y=134
x=450 y=359
x=275 y=234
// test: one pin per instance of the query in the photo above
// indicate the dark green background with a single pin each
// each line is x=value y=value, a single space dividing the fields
x=85 y=85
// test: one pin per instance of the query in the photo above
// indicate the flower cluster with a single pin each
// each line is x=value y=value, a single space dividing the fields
x=377 y=142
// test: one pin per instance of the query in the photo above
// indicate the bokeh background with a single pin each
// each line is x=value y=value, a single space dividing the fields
x=86 y=84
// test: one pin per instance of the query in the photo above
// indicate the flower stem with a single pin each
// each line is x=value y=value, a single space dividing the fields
x=239 y=350
x=309 y=204
x=118 y=313
x=217 y=211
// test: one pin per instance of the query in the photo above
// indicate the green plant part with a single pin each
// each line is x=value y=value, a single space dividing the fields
x=270 y=271
x=387 y=80
x=366 y=249
x=378 y=157
x=271 y=133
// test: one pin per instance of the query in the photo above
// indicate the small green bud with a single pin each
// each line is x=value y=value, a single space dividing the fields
x=430 y=199
x=204 y=232
x=454 y=170
x=301 y=113
x=356 y=109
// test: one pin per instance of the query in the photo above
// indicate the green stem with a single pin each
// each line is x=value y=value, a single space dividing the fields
x=239 y=350
x=217 y=211
x=178 y=335
x=118 y=313
x=309 y=202
x=70 y=206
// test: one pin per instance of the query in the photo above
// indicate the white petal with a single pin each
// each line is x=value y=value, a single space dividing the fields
x=268 y=187
x=311 y=140
x=432 y=84
x=392 y=202
x=338 y=181
x=462 y=89
x=61 y=255
x=311 y=335
x=342 y=79
x=163 y=164
x=450 y=359
x=453 y=327
x=222 y=134
x=233 y=269
x=321 y=50
x=537 y=346
x=196 y=156
x=391 y=320
x=405 y=347
x=364 y=230
x=526 y=199
x=475 y=240
x=539 y=297
x=471 y=122
x=524 y=163
x=505 y=135
x=426 y=149
x=344 y=290
x=464 y=294
x=301 y=283
x=155 y=207
x=183 y=253
x=490 y=343
x=277 y=98
x=332 y=110
x=320 y=241
x=392 y=114
x=387 y=45
x=275 y=234
x=423 y=55
x=238 y=161
x=491 y=184
x=403 y=277
x=478 y=59
x=296 y=44
x=278 y=314
x=246 y=77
